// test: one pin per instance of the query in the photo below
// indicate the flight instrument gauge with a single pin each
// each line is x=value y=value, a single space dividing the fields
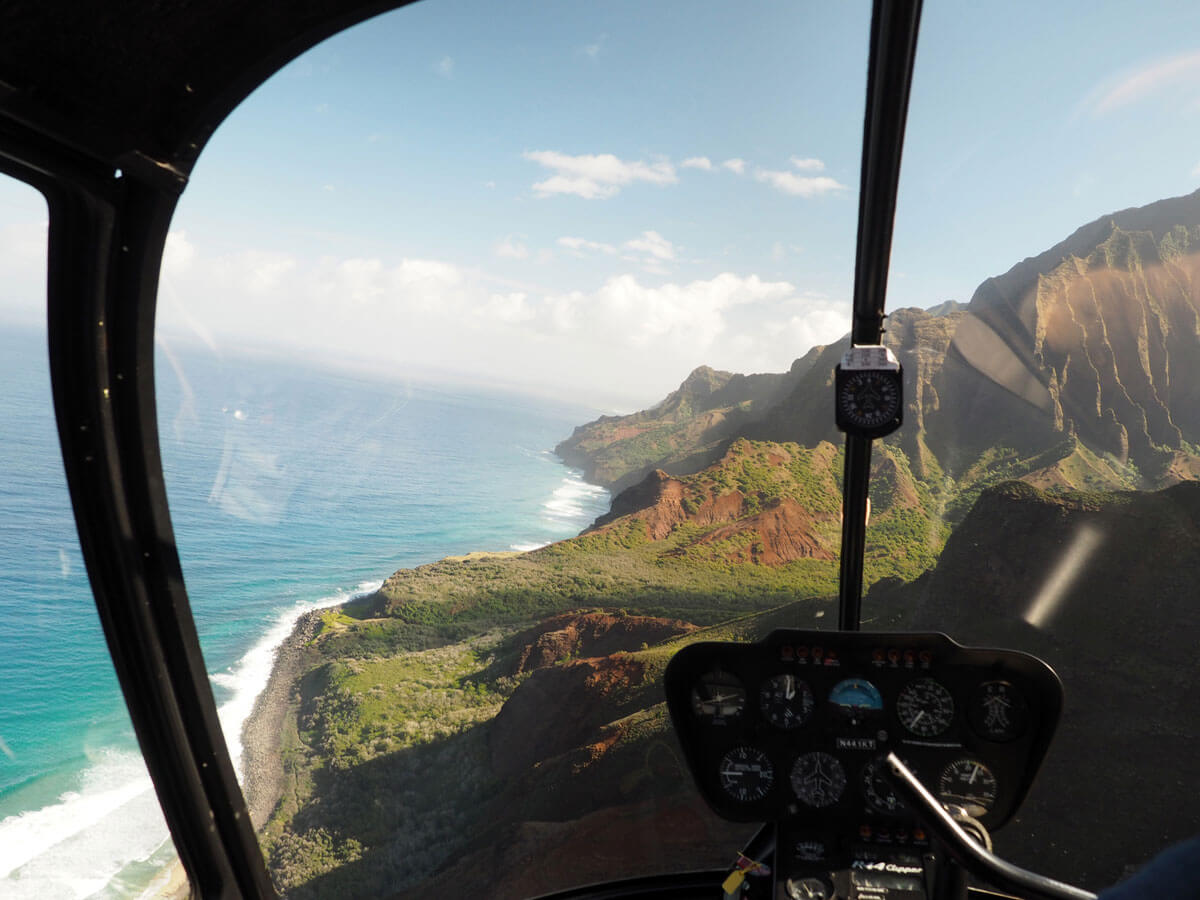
x=868 y=384
x=998 y=711
x=970 y=784
x=818 y=779
x=925 y=707
x=746 y=774
x=786 y=701
x=718 y=696
x=856 y=701
x=877 y=788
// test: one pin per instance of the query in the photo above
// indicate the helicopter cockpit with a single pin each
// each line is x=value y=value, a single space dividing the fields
x=816 y=633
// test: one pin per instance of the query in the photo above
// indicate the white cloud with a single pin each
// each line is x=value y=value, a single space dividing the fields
x=622 y=338
x=511 y=308
x=511 y=248
x=266 y=270
x=178 y=253
x=579 y=244
x=819 y=325
x=594 y=176
x=23 y=264
x=1196 y=171
x=735 y=165
x=697 y=162
x=799 y=185
x=670 y=318
x=445 y=67
x=1146 y=80
x=593 y=50
x=808 y=164
x=653 y=244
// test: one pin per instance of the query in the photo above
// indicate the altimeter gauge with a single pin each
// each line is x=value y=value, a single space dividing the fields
x=818 y=779
x=746 y=774
x=925 y=707
x=868 y=384
x=785 y=701
x=970 y=784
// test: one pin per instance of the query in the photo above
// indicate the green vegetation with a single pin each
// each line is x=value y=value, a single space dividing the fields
x=371 y=736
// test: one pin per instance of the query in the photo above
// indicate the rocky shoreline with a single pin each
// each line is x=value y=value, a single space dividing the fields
x=261 y=734
x=261 y=760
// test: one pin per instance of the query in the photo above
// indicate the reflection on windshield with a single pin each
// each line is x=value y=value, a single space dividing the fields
x=487 y=687
x=512 y=377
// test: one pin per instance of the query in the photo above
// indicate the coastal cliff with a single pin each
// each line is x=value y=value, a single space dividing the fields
x=475 y=709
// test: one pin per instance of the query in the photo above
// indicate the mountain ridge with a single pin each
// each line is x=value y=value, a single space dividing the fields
x=1089 y=341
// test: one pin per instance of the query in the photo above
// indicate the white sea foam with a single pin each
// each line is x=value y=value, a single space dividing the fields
x=247 y=678
x=72 y=848
x=575 y=500
x=525 y=548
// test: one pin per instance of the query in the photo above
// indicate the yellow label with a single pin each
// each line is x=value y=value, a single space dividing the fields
x=733 y=882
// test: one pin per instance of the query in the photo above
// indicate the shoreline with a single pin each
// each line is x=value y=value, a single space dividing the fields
x=261 y=774
x=262 y=763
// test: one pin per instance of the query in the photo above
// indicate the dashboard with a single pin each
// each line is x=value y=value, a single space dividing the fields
x=794 y=729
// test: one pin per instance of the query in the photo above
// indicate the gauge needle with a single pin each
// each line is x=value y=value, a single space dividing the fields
x=918 y=717
x=974 y=772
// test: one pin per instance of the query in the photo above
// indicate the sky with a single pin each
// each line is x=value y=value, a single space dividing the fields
x=592 y=199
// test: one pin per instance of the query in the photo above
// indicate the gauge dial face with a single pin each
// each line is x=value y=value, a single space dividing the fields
x=818 y=779
x=718 y=695
x=970 y=784
x=856 y=700
x=809 y=850
x=746 y=774
x=877 y=789
x=925 y=707
x=998 y=711
x=869 y=398
x=786 y=701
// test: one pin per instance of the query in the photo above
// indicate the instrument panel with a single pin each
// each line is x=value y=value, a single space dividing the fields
x=794 y=728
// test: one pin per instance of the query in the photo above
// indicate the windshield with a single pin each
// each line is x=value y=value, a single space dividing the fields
x=494 y=365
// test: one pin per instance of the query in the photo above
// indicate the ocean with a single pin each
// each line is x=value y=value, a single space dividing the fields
x=291 y=487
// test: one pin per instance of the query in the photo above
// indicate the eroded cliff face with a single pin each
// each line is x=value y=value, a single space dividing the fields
x=761 y=503
x=590 y=634
x=1097 y=338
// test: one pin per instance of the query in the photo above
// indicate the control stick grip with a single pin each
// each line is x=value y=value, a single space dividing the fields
x=965 y=851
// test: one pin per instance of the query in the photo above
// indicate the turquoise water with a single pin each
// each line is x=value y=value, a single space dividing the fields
x=290 y=488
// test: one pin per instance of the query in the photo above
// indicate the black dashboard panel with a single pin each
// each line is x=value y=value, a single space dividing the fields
x=792 y=729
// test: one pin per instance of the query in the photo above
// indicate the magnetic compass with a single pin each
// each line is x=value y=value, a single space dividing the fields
x=869 y=387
